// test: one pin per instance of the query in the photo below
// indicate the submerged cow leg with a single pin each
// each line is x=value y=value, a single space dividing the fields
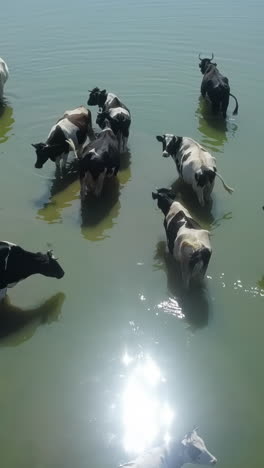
x=100 y=183
x=215 y=107
x=200 y=195
x=83 y=189
x=64 y=158
x=57 y=162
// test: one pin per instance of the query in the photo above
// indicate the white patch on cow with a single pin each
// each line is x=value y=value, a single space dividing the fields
x=4 y=74
x=77 y=110
x=70 y=132
x=110 y=98
x=186 y=243
x=118 y=110
x=174 y=209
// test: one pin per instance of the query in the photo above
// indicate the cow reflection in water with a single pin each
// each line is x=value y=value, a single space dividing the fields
x=98 y=214
x=7 y=120
x=63 y=192
x=192 y=304
x=213 y=129
x=18 y=325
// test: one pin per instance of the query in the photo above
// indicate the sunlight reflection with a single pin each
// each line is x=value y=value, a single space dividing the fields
x=172 y=307
x=145 y=414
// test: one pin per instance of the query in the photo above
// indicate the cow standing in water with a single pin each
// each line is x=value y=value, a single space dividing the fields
x=187 y=242
x=112 y=109
x=195 y=165
x=17 y=264
x=100 y=159
x=4 y=74
x=191 y=449
x=215 y=86
x=68 y=134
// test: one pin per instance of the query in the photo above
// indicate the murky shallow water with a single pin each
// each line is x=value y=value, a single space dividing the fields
x=116 y=356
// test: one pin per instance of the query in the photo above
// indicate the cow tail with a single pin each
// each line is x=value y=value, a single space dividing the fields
x=228 y=189
x=236 y=108
x=72 y=147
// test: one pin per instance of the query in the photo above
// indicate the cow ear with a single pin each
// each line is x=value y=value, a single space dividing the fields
x=35 y=145
x=103 y=91
x=159 y=138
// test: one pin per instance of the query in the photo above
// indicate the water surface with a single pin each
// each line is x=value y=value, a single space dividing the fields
x=114 y=357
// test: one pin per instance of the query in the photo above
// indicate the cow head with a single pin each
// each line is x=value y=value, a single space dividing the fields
x=44 y=152
x=195 y=451
x=48 y=265
x=97 y=97
x=205 y=62
x=165 y=199
x=170 y=144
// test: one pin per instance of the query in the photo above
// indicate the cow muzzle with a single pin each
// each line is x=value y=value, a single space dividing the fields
x=165 y=154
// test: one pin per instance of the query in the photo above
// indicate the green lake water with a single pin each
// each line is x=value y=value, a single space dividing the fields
x=114 y=357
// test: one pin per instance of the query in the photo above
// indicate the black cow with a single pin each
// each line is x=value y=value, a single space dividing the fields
x=17 y=264
x=68 y=134
x=215 y=86
x=111 y=108
x=100 y=159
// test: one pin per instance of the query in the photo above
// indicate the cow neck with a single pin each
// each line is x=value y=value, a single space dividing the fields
x=3 y=282
x=176 y=147
x=21 y=264
x=174 y=457
x=101 y=101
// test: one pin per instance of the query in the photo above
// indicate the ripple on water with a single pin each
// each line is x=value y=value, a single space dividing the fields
x=240 y=287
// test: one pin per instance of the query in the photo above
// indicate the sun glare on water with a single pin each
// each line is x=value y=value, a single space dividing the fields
x=145 y=415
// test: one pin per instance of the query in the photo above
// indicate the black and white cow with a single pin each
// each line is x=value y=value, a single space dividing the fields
x=17 y=264
x=68 y=134
x=111 y=108
x=195 y=165
x=215 y=86
x=191 y=449
x=4 y=74
x=187 y=242
x=100 y=159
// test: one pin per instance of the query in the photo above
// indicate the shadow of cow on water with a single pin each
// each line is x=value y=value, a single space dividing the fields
x=18 y=325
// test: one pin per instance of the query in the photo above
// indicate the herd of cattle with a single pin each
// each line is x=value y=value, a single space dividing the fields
x=99 y=156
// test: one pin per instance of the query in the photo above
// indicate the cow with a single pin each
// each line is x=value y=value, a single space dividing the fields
x=4 y=74
x=187 y=242
x=100 y=159
x=215 y=86
x=17 y=264
x=111 y=108
x=191 y=449
x=195 y=165
x=68 y=134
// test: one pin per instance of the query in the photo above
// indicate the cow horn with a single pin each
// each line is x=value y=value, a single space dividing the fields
x=200 y=56
x=212 y=56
